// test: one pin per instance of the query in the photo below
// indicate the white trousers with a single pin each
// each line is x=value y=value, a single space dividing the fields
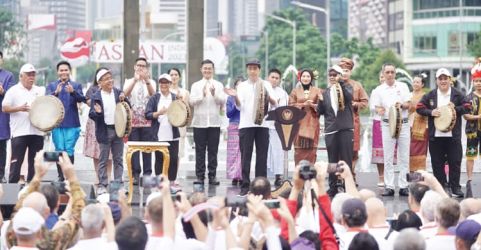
x=403 y=144
x=275 y=155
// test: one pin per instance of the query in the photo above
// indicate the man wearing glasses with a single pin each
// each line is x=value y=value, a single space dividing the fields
x=139 y=89
x=394 y=93
x=338 y=123
x=102 y=112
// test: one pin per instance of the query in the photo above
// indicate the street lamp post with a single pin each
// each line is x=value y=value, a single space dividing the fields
x=293 y=24
x=328 y=27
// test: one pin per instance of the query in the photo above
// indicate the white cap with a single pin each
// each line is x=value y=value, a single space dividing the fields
x=442 y=71
x=165 y=76
x=101 y=73
x=336 y=68
x=27 y=221
x=27 y=68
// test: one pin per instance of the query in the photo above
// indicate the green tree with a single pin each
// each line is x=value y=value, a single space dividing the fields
x=475 y=46
x=11 y=33
x=310 y=46
x=13 y=65
x=369 y=67
x=235 y=50
x=85 y=73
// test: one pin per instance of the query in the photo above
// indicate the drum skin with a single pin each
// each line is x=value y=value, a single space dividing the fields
x=123 y=119
x=179 y=113
x=46 y=113
x=447 y=120
x=395 y=121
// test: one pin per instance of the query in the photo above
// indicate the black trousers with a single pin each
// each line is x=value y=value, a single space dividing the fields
x=448 y=149
x=247 y=138
x=339 y=148
x=174 y=160
x=141 y=134
x=206 y=139
x=34 y=143
x=3 y=157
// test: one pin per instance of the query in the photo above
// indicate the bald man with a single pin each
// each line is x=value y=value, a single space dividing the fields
x=469 y=207
x=377 y=224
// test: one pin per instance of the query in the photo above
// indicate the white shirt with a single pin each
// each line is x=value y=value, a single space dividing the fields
x=475 y=217
x=441 y=242
x=23 y=248
x=372 y=107
x=95 y=243
x=429 y=229
x=246 y=95
x=379 y=233
x=443 y=100
x=159 y=243
x=282 y=98
x=207 y=109
x=165 y=128
x=18 y=95
x=389 y=95
x=139 y=97
x=108 y=100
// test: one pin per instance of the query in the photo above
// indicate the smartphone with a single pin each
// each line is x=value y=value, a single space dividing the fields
x=51 y=156
x=272 y=204
x=414 y=177
x=114 y=188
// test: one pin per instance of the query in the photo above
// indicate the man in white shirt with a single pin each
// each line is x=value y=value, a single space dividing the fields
x=17 y=102
x=139 y=89
x=249 y=132
x=275 y=156
x=102 y=112
x=447 y=215
x=445 y=146
x=394 y=94
x=162 y=130
x=208 y=99
x=95 y=218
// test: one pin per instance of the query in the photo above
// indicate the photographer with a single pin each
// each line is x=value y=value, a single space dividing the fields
x=64 y=231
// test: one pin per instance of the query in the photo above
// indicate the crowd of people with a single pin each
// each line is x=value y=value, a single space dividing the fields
x=301 y=217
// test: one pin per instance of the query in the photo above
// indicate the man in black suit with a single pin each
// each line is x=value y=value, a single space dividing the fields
x=445 y=146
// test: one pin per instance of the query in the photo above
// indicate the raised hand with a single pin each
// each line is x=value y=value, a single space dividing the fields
x=230 y=92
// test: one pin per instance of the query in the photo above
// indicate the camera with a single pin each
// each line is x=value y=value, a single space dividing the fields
x=52 y=156
x=114 y=188
x=333 y=168
x=307 y=170
x=414 y=177
x=60 y=186
x=148 y=181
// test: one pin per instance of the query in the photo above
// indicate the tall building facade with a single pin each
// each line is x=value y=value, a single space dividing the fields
x=69 y=16
x=368 y=19
x=211 y=16
x=436 y=34
x=243 y=18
